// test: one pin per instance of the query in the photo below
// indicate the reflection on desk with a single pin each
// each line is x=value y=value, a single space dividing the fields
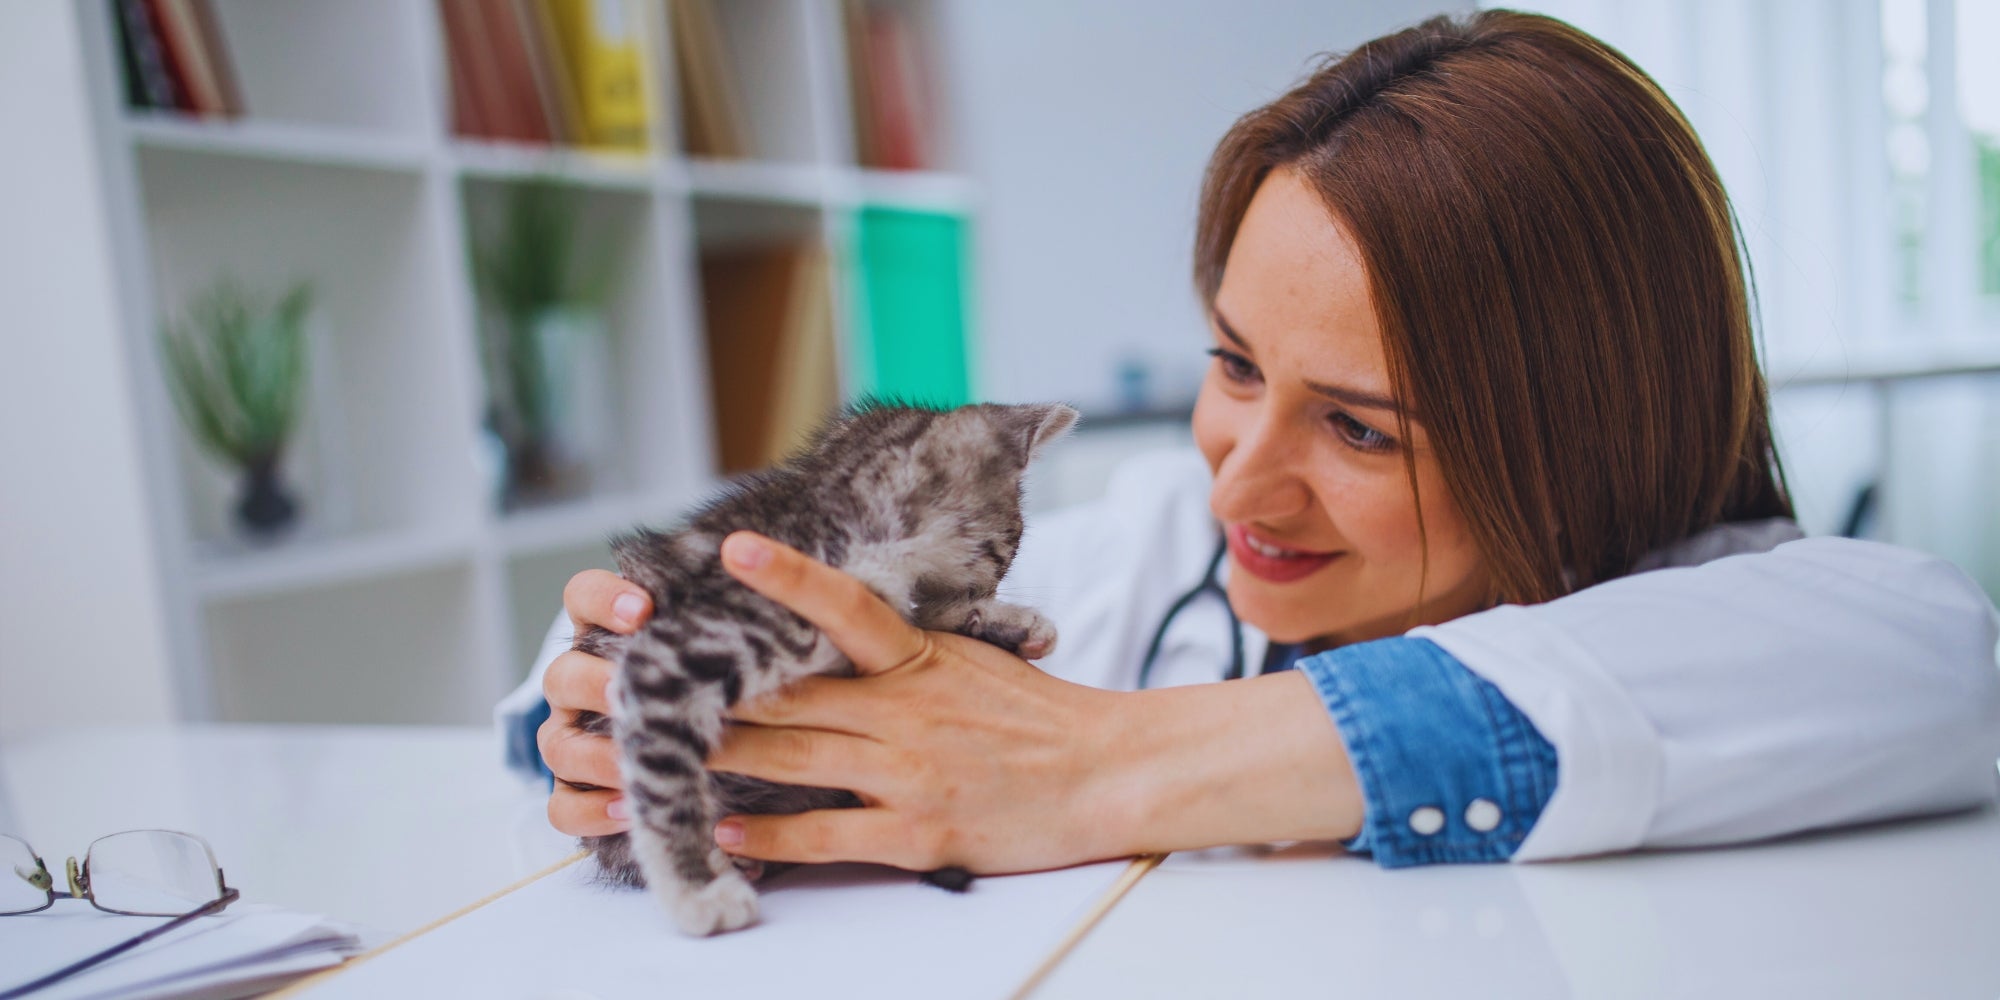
x=1897 y=909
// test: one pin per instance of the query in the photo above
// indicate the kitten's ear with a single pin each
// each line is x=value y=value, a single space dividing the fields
x=1036 y=424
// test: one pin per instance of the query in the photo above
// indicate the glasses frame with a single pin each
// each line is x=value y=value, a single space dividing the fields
x=79 y=888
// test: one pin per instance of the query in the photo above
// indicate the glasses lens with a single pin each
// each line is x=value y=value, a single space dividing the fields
x=18 y=892
x=152 y=873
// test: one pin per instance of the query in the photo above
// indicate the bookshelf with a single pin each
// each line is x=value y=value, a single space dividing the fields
x=408 y=593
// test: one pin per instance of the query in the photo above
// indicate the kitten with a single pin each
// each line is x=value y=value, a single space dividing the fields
x=923 y=506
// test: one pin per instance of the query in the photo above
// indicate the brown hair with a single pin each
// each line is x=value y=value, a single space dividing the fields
x=1555 y=269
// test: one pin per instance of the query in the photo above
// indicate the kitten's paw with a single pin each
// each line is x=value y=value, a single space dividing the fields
x=1018 y=630
x=725 y=904
x=751 y=868
x=1040 y=640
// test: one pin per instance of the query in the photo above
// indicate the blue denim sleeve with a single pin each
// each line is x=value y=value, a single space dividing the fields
x=524 y=751
x=1450 y=770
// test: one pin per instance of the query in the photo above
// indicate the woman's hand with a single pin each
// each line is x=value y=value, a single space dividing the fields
x=588 y=799
x=962 y=753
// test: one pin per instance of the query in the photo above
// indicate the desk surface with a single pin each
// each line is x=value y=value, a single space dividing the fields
x=1895 y=910
x=392 y=827
x=389 y=827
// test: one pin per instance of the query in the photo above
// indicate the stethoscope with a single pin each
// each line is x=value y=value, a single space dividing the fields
x=1276 y=656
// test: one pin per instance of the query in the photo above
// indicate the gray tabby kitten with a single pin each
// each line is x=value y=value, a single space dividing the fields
x=923 y=506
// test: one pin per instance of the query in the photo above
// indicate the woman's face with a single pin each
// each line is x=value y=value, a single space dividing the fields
x=1298 y=424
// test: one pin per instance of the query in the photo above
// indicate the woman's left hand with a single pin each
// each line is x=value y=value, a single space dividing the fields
x=962 y=753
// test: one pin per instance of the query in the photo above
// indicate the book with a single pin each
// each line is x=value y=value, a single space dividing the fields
x=910 y=315
x=187 y=50
x=860 y=83
x=470 y=46
x=555 y=78
x=222 y=69
x=467 y=117
x=521 y=103
x=128 y=60
x=711 y=113
x=746 y=304
x=898 y=91
x=155 y=74
x=805 y=379
x=601 y=45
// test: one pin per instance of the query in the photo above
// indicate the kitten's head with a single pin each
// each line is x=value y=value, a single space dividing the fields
x=966 y=463
x=986 y=442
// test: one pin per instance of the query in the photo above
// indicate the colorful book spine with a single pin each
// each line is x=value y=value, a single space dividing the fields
x=149 y=57
x=911 y=318
x=602 y=43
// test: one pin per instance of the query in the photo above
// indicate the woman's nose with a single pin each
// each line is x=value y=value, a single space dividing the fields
x=1258 y=479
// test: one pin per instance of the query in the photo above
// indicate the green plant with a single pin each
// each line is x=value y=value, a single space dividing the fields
x=533 y=265
x=1988 y=151
x=236 y=365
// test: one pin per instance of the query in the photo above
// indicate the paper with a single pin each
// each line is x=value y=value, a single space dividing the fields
x=225 y=955
x=824 y=931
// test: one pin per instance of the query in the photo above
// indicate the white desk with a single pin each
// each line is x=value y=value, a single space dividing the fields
x=1910 y=909
x=388 y=827
x=393 y=827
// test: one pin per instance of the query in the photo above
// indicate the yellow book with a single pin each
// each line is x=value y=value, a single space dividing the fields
x=601 y=43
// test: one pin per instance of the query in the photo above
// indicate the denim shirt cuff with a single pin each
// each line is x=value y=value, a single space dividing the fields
x=523 y=747
x=1450 y=770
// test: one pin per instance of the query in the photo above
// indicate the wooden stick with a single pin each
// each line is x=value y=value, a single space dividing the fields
x=310 y=981
x=1131 y=876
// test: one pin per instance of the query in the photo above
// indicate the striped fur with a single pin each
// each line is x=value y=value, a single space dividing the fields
x=923 y=506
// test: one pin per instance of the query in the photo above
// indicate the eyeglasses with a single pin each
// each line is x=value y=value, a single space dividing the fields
x=139 y=873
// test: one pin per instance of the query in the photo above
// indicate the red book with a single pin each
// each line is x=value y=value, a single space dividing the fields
x=220 y=67
x=188 y=55
x=465 y=117
x=895 y=76
x=482 y=68
x=522 y=103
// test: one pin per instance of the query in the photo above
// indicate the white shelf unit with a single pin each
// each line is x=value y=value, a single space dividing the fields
x=405 y=595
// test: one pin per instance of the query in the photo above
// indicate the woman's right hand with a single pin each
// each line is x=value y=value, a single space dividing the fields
x=588 y=799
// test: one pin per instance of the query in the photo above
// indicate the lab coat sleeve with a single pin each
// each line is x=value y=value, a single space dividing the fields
x=1826 y=682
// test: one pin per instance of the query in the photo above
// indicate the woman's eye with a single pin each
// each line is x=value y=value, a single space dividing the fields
x=1235 y=367
x=1361 y=436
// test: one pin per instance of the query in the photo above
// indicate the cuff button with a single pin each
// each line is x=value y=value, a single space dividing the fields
x=1426 y=820
x=1482 y=815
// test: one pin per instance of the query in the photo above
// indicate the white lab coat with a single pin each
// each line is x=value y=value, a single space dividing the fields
x=1744 y=684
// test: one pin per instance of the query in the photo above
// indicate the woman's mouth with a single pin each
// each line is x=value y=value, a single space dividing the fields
x=1267 y=560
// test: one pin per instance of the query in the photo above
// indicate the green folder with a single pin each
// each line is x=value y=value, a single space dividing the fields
x=910 y=307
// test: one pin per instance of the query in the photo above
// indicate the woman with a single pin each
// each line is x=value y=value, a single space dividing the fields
x=1487 y=441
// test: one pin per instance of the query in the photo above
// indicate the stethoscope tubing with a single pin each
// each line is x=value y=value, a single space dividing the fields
x=1210 y=584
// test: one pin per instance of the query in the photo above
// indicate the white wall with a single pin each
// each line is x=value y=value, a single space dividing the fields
x=80 y=612
x=1087 y=126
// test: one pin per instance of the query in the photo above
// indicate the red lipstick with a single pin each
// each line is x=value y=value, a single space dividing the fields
x=1274 y=563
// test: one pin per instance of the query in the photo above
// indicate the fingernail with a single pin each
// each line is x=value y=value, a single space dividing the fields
x=729 y=833
x=628 y=607
x=745 y=552
x=617 y=809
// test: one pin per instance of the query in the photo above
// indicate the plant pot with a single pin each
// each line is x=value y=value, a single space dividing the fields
x=556 y=423
x=264 y=508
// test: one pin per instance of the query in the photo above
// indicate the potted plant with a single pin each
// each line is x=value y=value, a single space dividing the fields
x=236 y=365
x=548 y=311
